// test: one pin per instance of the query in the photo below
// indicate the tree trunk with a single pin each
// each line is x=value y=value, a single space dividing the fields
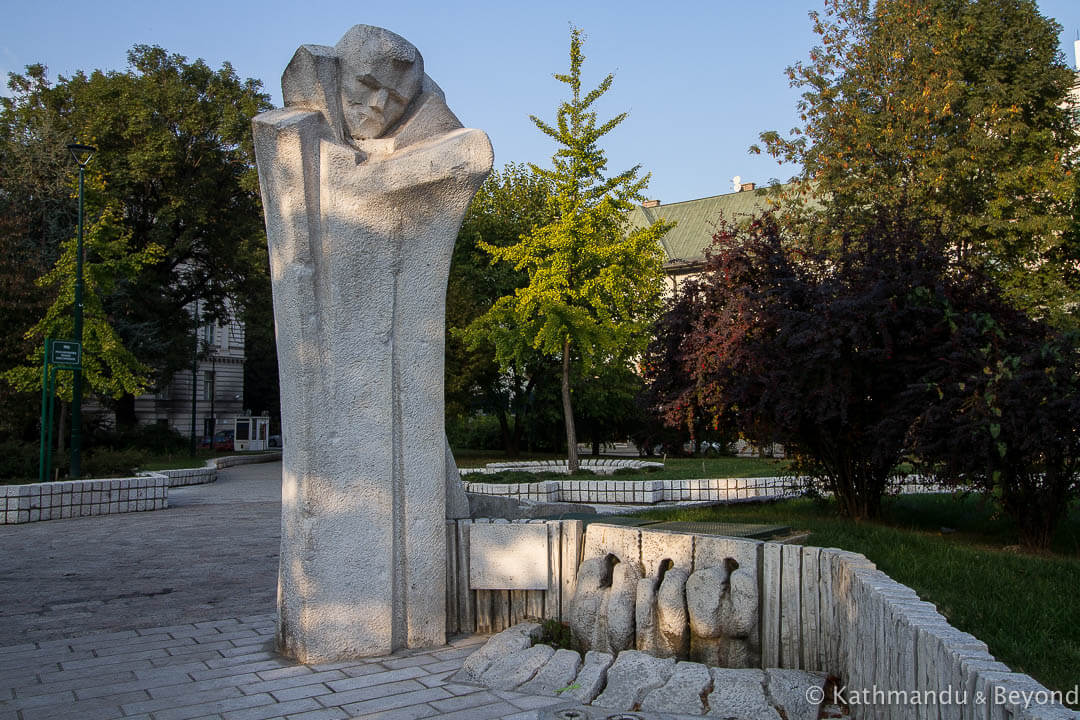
x=504 y=430
x=596 y=448
x=568 y=411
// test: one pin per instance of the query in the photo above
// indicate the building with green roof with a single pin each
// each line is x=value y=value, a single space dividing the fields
x=696 y=221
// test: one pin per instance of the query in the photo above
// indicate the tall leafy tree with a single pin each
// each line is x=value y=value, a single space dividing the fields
x=109 y=368
x=174 y=145
x=593 y=284
x=827 y=353
x=37 y=213
x=1007 y=416
x=511 y=203
x=947 y=111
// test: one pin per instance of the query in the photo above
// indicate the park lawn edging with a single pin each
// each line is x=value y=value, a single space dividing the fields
x=34 y=502
x=208 y=474
x=650 y=492
x=81 y=498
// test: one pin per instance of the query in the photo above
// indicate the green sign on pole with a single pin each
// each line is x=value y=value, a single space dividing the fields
x=64 y=352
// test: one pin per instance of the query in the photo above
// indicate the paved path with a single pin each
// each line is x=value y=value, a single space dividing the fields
x=211 y=555
x=227 y=670
x=169 y=615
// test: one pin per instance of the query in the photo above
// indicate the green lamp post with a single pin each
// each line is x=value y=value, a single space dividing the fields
x=82 y=155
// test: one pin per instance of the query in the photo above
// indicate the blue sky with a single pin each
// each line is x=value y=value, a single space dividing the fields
x=700 y=79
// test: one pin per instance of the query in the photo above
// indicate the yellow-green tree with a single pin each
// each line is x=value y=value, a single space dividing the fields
x=594 y=285
x=942 y=111
x=109 y=368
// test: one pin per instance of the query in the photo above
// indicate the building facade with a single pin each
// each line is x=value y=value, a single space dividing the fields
x=218 y=391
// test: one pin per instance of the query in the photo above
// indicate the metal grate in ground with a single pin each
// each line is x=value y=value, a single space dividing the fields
x=740 y=530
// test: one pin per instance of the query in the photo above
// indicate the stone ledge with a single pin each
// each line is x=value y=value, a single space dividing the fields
x=605 y=466
x=80 y=498
x=190 y=476
x=648 y=492
x=208 y=473
x=230 y=460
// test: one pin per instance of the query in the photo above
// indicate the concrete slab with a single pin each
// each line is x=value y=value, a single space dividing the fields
x=508 y=556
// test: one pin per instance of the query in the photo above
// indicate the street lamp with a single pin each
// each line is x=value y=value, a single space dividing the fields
x=82 y=155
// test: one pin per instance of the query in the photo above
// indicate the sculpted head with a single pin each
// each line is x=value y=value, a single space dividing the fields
x=380 y=73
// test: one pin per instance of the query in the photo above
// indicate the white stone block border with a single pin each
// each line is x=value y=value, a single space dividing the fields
x=34 y=502
x=208 y=474
x=605 y=466
x=822 y=610
x=223 y=462
x=80 y=498
x=190 y=476
x=648 y=492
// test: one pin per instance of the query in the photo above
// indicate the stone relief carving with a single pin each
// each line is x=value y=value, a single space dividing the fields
x=692 y=597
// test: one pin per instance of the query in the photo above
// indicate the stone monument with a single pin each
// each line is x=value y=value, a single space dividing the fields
x=365 y=177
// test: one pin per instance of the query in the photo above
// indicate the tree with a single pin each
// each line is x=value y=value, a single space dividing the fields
x=510 y=203
x=825 y=353
x=174 y=144
x=109 y=369
x=673 y=414
x=593 y=287
x=37 y=213
x=942 y=111
x=1007 y=417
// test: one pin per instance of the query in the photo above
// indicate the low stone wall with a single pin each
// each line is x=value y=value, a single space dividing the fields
x=224 y=462
x=190 y=476
x=80 y=498
x=648 y=492
x=208 y=474
x=818 y=609
x=604 y=466
x=642 y=492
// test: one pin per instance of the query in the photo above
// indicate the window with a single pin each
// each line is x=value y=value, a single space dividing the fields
x=208 y=333
x=208 y=385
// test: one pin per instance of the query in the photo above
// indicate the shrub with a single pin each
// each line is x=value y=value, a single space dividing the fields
x=154 y=438
x=510 y=476
x=474 y=432
x=19 y=460
x=104 y=463
x=1008 y=419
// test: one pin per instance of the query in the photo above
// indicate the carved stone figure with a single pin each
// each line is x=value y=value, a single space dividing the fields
x=603 y=608
x=365 y=176
x=723 y=605
x=663 y=627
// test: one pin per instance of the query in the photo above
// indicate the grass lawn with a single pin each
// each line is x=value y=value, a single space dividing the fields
x=1025 y=607
x=674 y=468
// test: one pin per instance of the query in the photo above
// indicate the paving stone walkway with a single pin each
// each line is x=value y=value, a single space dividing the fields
x=212 y=554
x=227 y=670
x=168 y=615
